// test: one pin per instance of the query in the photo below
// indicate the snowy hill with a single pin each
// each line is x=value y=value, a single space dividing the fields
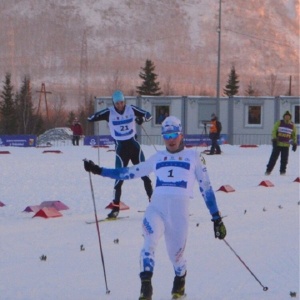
x=77 y=46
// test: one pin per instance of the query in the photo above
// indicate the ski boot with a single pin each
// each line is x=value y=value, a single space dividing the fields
x=178 y=287
x=114 y=212
x=146 y=288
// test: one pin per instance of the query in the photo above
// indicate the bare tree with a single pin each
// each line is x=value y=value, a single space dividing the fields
x=271 y=84
x=115 y=83
x=167 y=87
x=250 y=91
x=131 y=92
x=204 y=92
x=274 y=86
x=57 y=111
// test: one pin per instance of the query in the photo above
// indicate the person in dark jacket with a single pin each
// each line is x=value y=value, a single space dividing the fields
x=284 y=134
x=214 y=135
x=121 y=120
x=77 y=132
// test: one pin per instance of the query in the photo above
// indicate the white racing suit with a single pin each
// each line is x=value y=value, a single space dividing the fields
x=168 y=211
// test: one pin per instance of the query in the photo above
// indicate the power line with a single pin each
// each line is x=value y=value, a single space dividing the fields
x=257 y=38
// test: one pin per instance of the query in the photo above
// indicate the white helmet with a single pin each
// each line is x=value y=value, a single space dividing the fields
x=171 y=124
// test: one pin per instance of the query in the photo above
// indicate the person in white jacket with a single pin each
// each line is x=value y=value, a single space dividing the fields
x=176 y=170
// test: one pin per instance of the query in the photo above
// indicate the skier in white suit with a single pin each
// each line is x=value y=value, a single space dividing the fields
x=176 y=170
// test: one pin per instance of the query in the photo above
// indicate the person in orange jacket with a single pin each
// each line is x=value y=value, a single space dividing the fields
x=214 y=135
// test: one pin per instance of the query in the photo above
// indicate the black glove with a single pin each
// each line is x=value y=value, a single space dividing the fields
x=274 y=143
x=294 y=148
x=89 y=166
x=219 y=227
x=139 y=120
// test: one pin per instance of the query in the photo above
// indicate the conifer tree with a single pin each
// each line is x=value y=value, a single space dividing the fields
x=149 y=85
x=250 y=91
x=232 y=87
x=8 y=121
x=25 y=110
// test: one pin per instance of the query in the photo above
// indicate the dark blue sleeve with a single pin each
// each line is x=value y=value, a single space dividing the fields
x=138 y=112
x=102 y=115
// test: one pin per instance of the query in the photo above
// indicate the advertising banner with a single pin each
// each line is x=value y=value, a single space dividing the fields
x=98 y=140
x=202 y=140
x=18 y=140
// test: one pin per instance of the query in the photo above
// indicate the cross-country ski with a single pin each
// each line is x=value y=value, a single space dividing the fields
x=107 y=220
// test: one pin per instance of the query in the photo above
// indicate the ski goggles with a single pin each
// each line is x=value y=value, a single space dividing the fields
x=169 y=136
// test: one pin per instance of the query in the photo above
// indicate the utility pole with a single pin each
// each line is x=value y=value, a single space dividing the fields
x=43 y=92
x=290 y=86
x=219 y=53
x=83 y=85
x=12 y=52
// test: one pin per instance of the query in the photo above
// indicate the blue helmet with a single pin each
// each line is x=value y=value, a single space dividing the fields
x=118 y=96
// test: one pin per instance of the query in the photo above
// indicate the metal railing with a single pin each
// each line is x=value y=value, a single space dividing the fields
x=252 y=139
x=238 y=139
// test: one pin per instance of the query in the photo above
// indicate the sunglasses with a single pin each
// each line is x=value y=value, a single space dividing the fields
x=169 y=136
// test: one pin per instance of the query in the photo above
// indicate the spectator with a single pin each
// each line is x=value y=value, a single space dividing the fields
x=77 y=132
x=283 y=135
x=214 y=135
x=162 y=115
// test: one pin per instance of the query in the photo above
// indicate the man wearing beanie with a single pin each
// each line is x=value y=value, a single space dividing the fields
x=121 y=119
x=284 y=134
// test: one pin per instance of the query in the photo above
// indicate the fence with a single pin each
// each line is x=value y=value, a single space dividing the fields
x=145 y=139
x=252 y=139
x=239 y=139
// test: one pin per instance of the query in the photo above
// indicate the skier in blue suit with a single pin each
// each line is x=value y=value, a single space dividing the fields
x=176 y=170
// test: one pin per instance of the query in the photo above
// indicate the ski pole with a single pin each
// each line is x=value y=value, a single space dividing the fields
x=98 y=231
x=265 y=288
x=98 y=149
x=148 y=137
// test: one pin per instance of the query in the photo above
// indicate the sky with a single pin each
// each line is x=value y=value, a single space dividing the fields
x=262 y=228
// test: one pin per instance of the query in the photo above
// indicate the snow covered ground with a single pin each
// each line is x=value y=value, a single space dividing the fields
x=262 y=224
